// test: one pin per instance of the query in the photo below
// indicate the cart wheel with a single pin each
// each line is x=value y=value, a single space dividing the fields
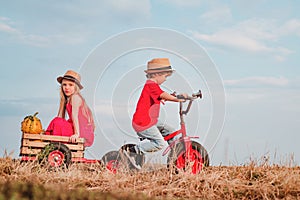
x=137 y=157
x=112 y=161
x=195 y=160
x=56 y=155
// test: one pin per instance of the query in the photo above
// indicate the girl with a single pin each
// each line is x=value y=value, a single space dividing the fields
x=80 y=122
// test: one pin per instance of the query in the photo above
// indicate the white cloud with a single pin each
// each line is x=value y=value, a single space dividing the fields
x=7 y=28
x=39 y=40
x=50 y=40
x=233 y=39
x=74 y=23
x=184 y=3
x=217 y=14
x=258 y=81
x=134 y=8
x=109 y=11
x=254 y=35
x=291 y=27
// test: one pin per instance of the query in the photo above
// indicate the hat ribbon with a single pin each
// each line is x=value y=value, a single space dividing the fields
x=71 y=78
x=161 y=68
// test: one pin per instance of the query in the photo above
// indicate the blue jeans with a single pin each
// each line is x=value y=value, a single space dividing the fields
x=154 y=137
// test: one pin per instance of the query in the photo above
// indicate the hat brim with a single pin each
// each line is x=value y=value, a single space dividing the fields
x=60 y=79
x=157 y=71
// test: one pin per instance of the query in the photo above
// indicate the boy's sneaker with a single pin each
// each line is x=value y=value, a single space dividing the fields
x=131 y=159
x=136 y=150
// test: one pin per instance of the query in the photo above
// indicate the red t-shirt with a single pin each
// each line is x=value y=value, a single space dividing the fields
x=148 y=106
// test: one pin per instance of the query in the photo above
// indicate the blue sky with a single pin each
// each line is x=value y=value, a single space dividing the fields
x=254 y=45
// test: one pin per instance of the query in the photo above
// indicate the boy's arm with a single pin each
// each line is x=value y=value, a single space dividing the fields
x=168 y=97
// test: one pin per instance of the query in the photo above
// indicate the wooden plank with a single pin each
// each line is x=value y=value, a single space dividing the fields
x=84 y=160
x=50 y=137
x=45 y=137
x=34 y=152
x=28 y=151
x=38 y=144
x=33 y=144
x=78 y=154
x=77 y=147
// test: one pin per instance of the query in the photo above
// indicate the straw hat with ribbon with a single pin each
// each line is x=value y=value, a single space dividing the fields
x=159 y=65
x=71 y=76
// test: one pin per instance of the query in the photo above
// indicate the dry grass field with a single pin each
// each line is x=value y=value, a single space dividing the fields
x=82 y=181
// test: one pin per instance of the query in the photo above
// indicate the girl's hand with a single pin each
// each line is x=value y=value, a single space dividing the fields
x=73 y=138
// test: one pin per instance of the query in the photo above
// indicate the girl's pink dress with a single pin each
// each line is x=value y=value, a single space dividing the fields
x=62 y=127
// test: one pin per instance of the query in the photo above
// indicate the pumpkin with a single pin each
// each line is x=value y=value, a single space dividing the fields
x=31 y=124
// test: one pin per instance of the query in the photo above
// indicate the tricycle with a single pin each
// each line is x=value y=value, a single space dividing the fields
x=184 y=153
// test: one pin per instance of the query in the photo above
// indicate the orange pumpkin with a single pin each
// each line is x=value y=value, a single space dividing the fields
x=31 y=124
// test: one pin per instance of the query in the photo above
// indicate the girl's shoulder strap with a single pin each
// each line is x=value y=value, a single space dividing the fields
x=76 y=99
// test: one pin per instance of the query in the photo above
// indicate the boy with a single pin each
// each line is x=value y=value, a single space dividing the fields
x=145 y=119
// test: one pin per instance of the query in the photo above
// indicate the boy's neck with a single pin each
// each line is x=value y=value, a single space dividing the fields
x=153 y=79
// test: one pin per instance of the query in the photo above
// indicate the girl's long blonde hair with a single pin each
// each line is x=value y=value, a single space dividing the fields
x=63 y=102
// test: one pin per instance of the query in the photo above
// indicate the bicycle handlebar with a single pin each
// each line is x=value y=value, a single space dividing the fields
x=194 y=96
x=190 y=98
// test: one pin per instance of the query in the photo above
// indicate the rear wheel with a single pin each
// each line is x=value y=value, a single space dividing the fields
x=112 y=161
x=55 y=155
x=193 y=159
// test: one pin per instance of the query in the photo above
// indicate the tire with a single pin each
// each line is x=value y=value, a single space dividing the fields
x=194 y=162
x=138 y=157
x=112 y=161
x=55 y=155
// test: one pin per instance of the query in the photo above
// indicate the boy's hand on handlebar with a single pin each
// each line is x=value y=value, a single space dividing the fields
x=172 y=97
x=182 y=97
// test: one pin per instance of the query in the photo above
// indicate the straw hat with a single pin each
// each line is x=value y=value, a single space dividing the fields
x=71 y=76
x=159 y=65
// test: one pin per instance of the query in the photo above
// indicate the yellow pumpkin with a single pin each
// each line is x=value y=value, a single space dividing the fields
x=31 y=124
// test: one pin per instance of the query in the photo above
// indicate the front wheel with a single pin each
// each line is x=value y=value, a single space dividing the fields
x=194 y=158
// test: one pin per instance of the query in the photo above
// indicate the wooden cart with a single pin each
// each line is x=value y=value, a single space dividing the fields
x=56 y=150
